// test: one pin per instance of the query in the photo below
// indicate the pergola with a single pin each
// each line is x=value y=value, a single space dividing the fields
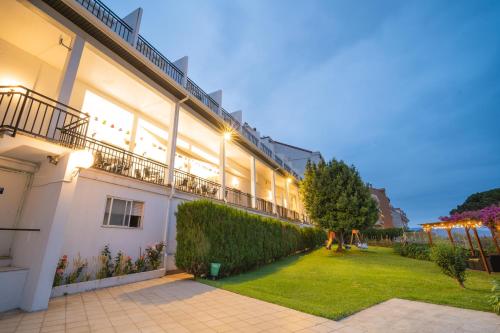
x=469 y=224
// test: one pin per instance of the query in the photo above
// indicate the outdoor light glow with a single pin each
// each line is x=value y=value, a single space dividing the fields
x=82 y=159
x=235 y=182
x=227 y=136
x=9 y=81
x=289 y=180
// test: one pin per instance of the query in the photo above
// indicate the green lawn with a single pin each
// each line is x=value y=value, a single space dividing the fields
x=327 y=284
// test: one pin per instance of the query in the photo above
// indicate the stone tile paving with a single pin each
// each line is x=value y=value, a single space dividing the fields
x=178 y=304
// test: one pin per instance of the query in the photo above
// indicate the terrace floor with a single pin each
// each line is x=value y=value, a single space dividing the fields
x=179 y=304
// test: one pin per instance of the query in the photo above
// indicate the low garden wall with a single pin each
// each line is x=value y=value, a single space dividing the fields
x=239 y=241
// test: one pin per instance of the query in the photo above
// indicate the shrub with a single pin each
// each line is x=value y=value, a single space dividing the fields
x=379 y=234
x=153 y=255
x=413 y=250
x=494 y=299
x=208 y=232
x=59 y=275
x=452 y=261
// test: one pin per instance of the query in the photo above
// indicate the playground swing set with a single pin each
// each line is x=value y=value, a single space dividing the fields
x=355 y=236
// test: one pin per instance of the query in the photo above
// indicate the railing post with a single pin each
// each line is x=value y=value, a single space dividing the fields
x=253 y=179
x=217 y=96
x=23 y=105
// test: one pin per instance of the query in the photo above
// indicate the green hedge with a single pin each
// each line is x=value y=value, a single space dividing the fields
x=413 y=250
x=208 y=232
x=377 y=234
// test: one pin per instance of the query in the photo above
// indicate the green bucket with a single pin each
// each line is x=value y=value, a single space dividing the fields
x=214 y=269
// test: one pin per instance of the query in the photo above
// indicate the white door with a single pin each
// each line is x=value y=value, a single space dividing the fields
x=12 y=190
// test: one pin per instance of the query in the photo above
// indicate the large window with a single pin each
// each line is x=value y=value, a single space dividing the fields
x=123 y=213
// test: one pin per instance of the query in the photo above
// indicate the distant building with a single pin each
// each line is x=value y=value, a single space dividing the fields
x=296 y=157
x=399 y=218
x=384 y=208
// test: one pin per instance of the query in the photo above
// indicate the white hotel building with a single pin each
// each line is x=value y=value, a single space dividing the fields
x=101 y=137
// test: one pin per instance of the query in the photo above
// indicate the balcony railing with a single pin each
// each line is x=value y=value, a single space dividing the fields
x=233 y=122
x=187 y=182
x=266 y=150
x=108 y=17
x=24 y=110
x=249 y=135
x=200 y=94
x=122 y=162
x=278 y=160
x=239 y=198
x=264 y=205
x=155 y=56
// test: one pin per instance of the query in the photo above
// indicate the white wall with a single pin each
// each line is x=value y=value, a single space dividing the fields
x=84 y=233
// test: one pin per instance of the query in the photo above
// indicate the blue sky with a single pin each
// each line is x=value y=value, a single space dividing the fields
x=407 y=91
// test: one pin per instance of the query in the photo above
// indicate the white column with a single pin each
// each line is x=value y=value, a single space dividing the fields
x=253 y=181
x=287 y=193
x=134 y=21
x=66 y=83
x=273 y=191
x=222 y=166
x=172 y=142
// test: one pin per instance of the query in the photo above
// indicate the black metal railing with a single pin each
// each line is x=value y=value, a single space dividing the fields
x=187 y=182
x=122 y=162
x=287 y=167
x=266 y=150
x=278 y=160
x=250 y=136
x=108 y=17
x=239 y=198
x=27 y=111
x=263 y=205
x=233 y=122
x=155 y=56
x=200 y=94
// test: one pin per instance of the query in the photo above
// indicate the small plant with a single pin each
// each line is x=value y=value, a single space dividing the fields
x=413 y=250
x=59 y=275
x=140 y=264
x=494 y=299
x=452 y=261
x=77 y=274
x=105 y=263
x=153 y=255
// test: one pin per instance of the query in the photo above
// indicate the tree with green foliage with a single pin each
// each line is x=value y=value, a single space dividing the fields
x=452 y=260
x=336 y=198
x=479 y=201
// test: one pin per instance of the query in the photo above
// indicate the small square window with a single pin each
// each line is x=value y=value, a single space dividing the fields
x=123 y=213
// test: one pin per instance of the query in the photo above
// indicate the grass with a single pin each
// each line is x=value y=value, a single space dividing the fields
x=334 y=286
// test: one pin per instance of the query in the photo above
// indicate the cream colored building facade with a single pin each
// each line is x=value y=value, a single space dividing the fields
x=102 y=136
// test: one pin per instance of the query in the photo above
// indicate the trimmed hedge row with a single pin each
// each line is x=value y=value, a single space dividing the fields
x=413 y=250
x=209 y=232
x=390 y=233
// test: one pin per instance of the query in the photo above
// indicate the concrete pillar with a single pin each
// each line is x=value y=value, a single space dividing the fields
x=222 y=166
x=67 y=82
x=183 y=65
x=47 y=207
x=134 y=21
x=273 y=191
x=172 y=141
x=253 y=181
x=217 y=96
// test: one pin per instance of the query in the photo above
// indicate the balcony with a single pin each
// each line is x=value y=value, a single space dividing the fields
x=26 y=111
x=122 y=29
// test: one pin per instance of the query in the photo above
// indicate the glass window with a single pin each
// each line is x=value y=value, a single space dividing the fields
x=123 y=213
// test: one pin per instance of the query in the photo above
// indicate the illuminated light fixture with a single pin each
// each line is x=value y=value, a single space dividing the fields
x=83 y=159
x=235 y=182
x=8 y=81
x=227 y=135
x=289 y=180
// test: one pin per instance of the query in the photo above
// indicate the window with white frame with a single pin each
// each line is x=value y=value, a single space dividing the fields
x=123 y=213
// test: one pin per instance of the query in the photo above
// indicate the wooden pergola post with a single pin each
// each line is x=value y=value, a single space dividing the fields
x=481 y=252
x=448 y=230
x=473 y=253
x=494 y=236
x=430 y=236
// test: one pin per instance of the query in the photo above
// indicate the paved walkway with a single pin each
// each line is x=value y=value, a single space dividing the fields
x=175 y=304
